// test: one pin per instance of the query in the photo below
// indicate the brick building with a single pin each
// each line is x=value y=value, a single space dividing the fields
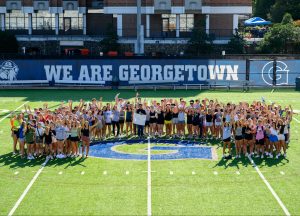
x=55 y=24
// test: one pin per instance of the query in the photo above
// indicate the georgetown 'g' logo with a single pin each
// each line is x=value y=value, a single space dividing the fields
x=8 y=71
x=282 y=73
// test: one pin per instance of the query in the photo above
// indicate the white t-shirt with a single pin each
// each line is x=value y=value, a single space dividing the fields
x=39 y=132
x=226 y=132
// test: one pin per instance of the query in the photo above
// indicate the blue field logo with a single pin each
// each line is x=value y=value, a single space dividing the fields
x=176 y=151
x=282 y=73
x=8 y=71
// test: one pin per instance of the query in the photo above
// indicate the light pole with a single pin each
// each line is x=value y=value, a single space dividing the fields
x=139 y=49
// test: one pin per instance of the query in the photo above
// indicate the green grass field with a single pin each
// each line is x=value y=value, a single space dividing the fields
x=97 y=186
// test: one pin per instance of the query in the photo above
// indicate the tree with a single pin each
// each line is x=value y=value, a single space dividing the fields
x=280 y=37
x=285 y=6
x=9 y=43
x=110 y=43
x=262 y=8
x=200 y=42
x=287 y=19
x=237 y=44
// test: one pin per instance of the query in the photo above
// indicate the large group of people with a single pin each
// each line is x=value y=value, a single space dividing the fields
x=256 y=129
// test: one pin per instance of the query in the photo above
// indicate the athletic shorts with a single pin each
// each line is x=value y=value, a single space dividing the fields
x=107 y=123
x=30 y=143
x=168 y=122
x=74 y=139
x=273 y=138
x=121 y=121
x=209 y=124
x=281 y=137
x=181 y=122
x=218 y=123
x=260 y=142
x=226 y=140
x=239 y=137
x=152 y=120
x=147 y=123
x=175 y=120
x=22 y=139
x=248 y=137
x=85 y=139
x=16 y=132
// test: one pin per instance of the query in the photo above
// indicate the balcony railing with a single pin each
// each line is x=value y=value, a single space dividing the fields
x=130 y=33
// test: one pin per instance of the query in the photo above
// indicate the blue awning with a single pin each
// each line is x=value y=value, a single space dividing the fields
x=256 y=21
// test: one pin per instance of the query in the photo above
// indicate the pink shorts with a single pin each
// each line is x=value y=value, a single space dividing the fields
x=85 y=139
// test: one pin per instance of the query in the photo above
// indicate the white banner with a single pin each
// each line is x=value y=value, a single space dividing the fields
x=139 y=119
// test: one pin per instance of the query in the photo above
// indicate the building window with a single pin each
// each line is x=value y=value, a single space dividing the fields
x=16 y=20
x=70 y=20
x=186 y=22
x=168 y=22
x=43 y=20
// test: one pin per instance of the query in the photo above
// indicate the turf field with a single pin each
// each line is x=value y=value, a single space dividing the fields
x=96 y=186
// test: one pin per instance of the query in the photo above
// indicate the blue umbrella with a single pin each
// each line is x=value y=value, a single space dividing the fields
x=256 y=21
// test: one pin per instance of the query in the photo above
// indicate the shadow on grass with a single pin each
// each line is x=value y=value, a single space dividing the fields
x=244 y=162
x=16 y=162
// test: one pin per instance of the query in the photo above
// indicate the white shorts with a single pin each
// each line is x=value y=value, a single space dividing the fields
x=218 y=123
x=281 y=137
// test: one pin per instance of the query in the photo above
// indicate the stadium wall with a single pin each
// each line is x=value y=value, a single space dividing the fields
x=145 y=72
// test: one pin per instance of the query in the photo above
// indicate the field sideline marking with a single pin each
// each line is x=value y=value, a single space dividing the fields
x=296 y=120
x=12 y=211
x=286 y=211
x=149 y=211
x=14 y=111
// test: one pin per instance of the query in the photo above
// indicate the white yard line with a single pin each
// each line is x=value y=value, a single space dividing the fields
x=14 y=111
x=12 y=211
x=296 y=120
x=286 y=211
x=149 y=211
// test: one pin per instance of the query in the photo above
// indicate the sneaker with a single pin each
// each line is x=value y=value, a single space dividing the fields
x=262 y=156
x=276 y=156
x=28 y=158
x=271 y=156
x=51 y=157
x=246 y=154
x=284 y=155
x=14 y=153
x=257 y=156
x=32 y=158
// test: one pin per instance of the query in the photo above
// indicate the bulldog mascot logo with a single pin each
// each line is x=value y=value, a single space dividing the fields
x=8 y=71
